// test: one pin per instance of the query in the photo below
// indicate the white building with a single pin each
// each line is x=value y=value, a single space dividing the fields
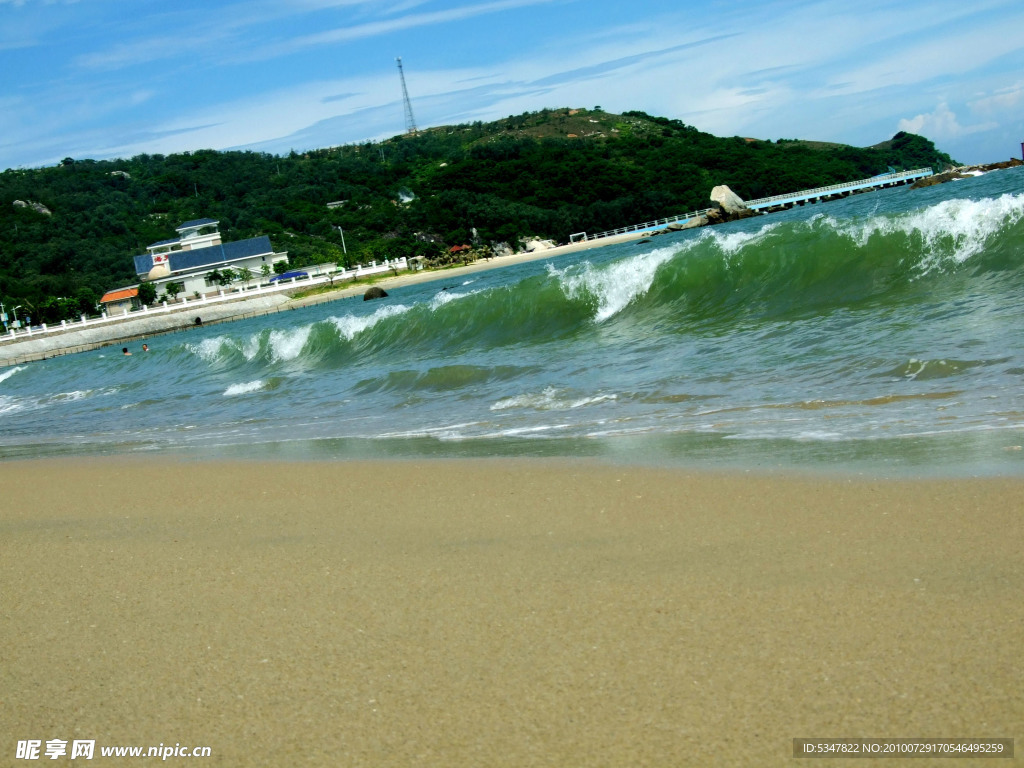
x=197 y=251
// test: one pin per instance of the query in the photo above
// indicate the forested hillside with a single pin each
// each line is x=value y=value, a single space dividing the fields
x=547 y=174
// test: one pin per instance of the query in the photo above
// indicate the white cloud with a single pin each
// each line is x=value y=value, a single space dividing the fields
x=814 y=69
x=942 y=124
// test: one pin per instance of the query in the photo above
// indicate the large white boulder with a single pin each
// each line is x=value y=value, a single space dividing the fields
x=728 y=200
x=538 y=245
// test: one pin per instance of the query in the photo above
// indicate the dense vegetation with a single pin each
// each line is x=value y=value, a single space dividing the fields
x=547 y=174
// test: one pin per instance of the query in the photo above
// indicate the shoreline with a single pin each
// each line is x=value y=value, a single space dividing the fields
x=503 y=612
x=135 y=328
x=69 y=342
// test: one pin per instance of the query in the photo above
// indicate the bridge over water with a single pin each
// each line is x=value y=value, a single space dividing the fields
x=780 y=202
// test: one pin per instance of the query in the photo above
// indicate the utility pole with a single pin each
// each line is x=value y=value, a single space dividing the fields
x=410 y=121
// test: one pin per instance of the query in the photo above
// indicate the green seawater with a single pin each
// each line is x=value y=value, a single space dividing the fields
x=883 y=333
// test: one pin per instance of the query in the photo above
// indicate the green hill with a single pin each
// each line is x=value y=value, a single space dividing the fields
x=547 y=173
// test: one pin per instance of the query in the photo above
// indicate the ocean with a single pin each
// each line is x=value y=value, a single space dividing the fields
x=879 y=334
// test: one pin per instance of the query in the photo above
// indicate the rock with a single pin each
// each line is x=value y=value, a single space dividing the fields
x=697 y=221
x=964 y=172
x=501 y=249
x=538 y=245
x=727 y=200
x=716 y=216
x=374 y=292
x=938 y=178
x=37 y=207
x=728 y=206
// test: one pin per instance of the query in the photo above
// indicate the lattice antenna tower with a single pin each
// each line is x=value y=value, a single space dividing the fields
x=410 y=121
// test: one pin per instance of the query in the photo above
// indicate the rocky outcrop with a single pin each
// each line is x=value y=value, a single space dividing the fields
x=501 y=249
x=37 y=207
x=532 y=245
x=374 y=292
x=964 y=172
x=700 y=220
x=728 y=206
x=727 y=200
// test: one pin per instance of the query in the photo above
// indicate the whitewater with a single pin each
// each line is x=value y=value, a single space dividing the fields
x=882 y=333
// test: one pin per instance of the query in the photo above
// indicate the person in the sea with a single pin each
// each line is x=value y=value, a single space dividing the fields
x=125 y=352
x=145 y=347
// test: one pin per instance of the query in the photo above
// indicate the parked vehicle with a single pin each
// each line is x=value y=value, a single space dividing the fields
x=298 y=275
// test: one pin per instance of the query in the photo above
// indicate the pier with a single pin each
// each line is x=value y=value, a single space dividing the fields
x=780 y=202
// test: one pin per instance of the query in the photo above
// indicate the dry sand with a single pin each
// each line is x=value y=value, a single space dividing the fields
x=495 y=613
x=481 y=265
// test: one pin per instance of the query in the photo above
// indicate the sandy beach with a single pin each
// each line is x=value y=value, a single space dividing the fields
x=497 y=613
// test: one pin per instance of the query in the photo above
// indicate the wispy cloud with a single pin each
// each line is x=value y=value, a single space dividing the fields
x=392 y=25
x=605 y=67
x=104 y=82
x=149 y=50
x=1004 y=99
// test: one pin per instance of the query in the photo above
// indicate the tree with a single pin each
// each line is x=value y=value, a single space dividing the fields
x=147 y=293
x=475 y=176
x=280 y=267
x=53 y=309
x=87 y=300
x=173 y=289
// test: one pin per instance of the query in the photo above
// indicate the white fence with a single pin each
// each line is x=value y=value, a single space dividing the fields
x=182 y=302
x=874 y=181
x=765 y=202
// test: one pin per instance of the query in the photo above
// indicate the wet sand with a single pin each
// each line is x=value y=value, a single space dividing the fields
x=497 y=613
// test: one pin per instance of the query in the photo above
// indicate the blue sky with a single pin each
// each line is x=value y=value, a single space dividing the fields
x=115 y=78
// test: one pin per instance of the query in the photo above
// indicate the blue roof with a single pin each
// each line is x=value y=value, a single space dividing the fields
x=220 y=254
x=196 y=223
x=213 y=256
x=165 y=242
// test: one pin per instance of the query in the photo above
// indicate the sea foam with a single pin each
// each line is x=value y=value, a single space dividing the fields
x=615 y=285
x=288 y=344
x=952 y=230
x=550 y=399
x=209 y=350
x=5 y=375
x=349 y=326
x=244 y=388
